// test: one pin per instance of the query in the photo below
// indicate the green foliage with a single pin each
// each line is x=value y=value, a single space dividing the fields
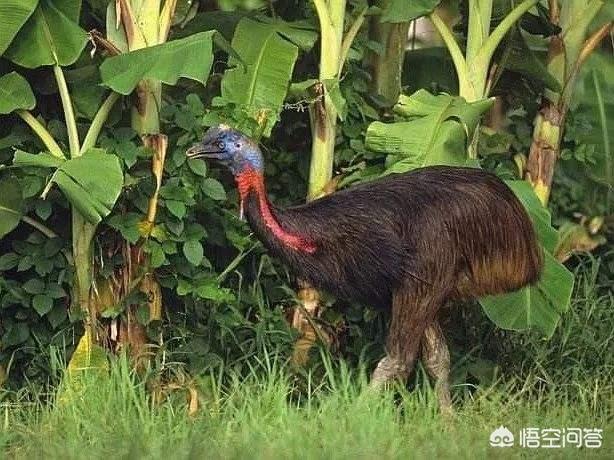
x=436 y=131
x=15 y=94
x=583 y=183
x=11 y=203
x=14 y=14
x=166 y=62
x=34 y=276
x=519 y=57
x=540 y=216
x=597 y=105
x=261 y=87
x=51 y=36
x=539 y=306
x=404 y=11
x=91 y=182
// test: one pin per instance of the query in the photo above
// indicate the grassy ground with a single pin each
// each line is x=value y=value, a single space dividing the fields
x=258 y=418
x=565 y=382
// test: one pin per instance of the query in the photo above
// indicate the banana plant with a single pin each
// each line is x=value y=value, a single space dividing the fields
x=389 y=30
x=90 y=179
x=134 y=29
x=142 y=60
x=46 y=34
x=473 y=67
x=583 y=25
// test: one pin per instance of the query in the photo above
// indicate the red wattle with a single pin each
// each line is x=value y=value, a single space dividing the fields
x=251 y=179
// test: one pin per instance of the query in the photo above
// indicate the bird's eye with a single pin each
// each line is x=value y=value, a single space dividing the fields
x=237 y=145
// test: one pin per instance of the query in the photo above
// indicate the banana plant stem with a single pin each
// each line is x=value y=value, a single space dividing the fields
x=42 y=133
x=462 y=72
x=98 y=122
x=69 y=113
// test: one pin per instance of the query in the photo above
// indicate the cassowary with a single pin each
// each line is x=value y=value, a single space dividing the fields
x=410 y=242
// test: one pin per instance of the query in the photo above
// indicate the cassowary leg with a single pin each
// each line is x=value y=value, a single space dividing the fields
x=436 y=360
x=309 y=298
x=413 y=307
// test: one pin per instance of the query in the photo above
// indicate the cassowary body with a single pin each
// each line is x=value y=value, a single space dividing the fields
x=410 y=241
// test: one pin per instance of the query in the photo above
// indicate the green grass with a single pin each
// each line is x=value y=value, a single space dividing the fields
x=261 y=417
x=272 y=413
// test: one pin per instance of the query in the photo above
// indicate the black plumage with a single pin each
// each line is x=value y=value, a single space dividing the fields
x=460 y=230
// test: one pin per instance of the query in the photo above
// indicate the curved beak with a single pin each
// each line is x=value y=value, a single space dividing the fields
x=201 y=150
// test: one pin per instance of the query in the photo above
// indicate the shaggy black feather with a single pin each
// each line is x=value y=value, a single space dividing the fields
x=458 y=231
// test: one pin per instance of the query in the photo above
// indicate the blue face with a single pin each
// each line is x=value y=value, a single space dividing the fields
x=230 y=147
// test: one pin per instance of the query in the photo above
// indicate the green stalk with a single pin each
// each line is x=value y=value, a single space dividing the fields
x=331 y=15
x=98 y=122
x=567 y=53
x=146 y=111
x=82 y=237
x=472 y=69
x=349 y=38
x=82 y=231
x=166 y=19
x=69 y=113
x=153 y=26
x=480 y=12
x=42 y=133
x=460 y=64
x=147 y=25
x=324 y=115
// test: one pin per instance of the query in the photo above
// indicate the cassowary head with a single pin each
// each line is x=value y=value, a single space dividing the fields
x=231 y=148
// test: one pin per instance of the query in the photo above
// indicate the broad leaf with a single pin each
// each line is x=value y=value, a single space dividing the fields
x=436 y=132
x=214 y=189
x=91 y=182
x=69 y=8
x=538 y=306
x=15 y=94
x=13 y=15
x=261 y=87
x=51 y=36
x=548 y=236
x=42 y=160
x=42 y=304
x=301 y=33
x=15 y=334
x=406 y=10
x=11 y=201
x=189 y=57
